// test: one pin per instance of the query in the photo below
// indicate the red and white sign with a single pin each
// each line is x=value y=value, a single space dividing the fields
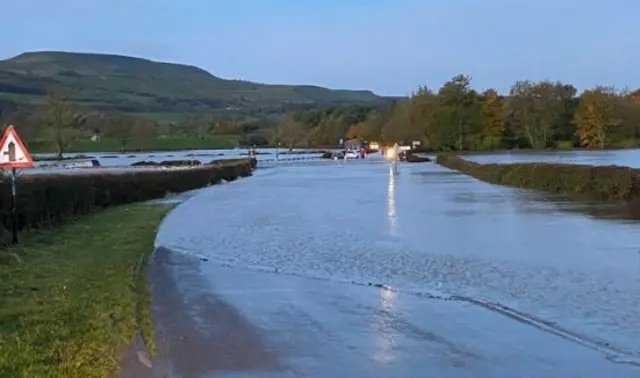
x=13 y=153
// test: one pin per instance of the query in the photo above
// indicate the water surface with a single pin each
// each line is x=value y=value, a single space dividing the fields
x=424 y=230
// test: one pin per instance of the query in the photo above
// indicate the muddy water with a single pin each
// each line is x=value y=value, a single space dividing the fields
x=425 y=231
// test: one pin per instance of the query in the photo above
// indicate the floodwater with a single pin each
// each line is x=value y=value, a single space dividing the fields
x=433 y=237
x=630 y=158
x=116 y=162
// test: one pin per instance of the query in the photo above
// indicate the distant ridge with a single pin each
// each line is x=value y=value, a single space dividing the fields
x=109 y=81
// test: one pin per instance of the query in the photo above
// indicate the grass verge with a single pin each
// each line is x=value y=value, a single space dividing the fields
x=68 y=304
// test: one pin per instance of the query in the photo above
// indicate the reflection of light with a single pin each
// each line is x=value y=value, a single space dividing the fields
x=384 y=331
x=387 y=293
x=390 y=154
x=391 y=200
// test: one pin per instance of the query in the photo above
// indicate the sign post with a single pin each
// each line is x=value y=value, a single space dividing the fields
x=13 y=155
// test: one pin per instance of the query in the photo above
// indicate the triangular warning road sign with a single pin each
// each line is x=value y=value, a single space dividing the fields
x=13 y=153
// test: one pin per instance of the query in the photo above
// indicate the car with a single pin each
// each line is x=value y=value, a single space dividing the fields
x=351 y=154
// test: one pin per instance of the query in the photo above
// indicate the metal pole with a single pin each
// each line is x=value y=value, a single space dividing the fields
x=14 y=209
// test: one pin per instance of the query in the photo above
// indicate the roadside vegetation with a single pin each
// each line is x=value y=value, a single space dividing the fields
x=44 y=201
x=73 y=294
x=455 y=117
x=533 y=115
x=68 y=304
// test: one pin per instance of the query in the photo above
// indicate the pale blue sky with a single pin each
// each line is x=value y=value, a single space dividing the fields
x=389 y=47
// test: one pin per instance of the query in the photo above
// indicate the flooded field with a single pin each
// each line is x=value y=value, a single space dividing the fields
x=115 y=162
x=630 y=158
x=429 y=232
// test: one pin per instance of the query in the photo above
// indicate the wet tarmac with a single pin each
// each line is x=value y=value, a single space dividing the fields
x=344 y=269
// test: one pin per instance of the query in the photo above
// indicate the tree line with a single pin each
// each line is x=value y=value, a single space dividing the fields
x=538 y=115
x=59 y=121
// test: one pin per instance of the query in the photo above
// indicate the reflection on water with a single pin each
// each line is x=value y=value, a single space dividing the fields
x=460 y=236
x=391 y=201
x=630 y=158
x=382 y=324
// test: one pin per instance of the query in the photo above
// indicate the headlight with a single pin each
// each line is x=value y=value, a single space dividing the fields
x=390 y=154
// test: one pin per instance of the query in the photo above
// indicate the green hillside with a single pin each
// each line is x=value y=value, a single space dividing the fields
x=128 y=84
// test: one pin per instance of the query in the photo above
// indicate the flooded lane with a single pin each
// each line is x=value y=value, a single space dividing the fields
x=256 y=324
x=425 y=231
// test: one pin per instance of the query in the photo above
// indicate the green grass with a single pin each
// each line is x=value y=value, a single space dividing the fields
x=140 y=85
x=164 y=117
x=68 y=304
x=157 y=144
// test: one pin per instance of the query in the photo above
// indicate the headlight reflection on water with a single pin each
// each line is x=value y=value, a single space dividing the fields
x=384 y=331
x=391 y=201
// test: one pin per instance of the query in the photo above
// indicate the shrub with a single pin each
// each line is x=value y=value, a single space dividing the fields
x=565 y=145
x=48 y=200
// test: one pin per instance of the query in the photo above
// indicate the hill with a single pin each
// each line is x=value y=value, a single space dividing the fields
x=101 y=81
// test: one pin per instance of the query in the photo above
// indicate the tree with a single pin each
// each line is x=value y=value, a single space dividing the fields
x=492 y=119
x=457 y=118
x=398 y=128
x=121 y=127
x=289 y=131
x=423 y=108
x=596 y=116
x=62 y=120
x=629 y=129
x=358 y=130
x=143 y=131
x=226 y=126
x=541 y=112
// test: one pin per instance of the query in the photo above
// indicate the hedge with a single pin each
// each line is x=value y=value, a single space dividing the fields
x=607 y=183
x=48 y=200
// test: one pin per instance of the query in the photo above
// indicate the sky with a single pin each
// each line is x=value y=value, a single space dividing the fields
x=388 y=46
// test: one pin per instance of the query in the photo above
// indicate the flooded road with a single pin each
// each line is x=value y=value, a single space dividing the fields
x=294 y=249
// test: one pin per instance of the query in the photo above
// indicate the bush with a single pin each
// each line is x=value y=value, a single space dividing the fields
x=608 y=183
x=48 y=200
x=565 y=145
x=233 y=168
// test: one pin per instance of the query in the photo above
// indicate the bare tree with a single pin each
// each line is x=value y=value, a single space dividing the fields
x=63 y=120
x=122 y=128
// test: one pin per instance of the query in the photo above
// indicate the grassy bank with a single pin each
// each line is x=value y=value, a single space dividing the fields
x=607 y=183
x=68 y=295
x=155 y=144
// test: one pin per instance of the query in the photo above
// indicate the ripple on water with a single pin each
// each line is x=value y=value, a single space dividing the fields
x=452 y=234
